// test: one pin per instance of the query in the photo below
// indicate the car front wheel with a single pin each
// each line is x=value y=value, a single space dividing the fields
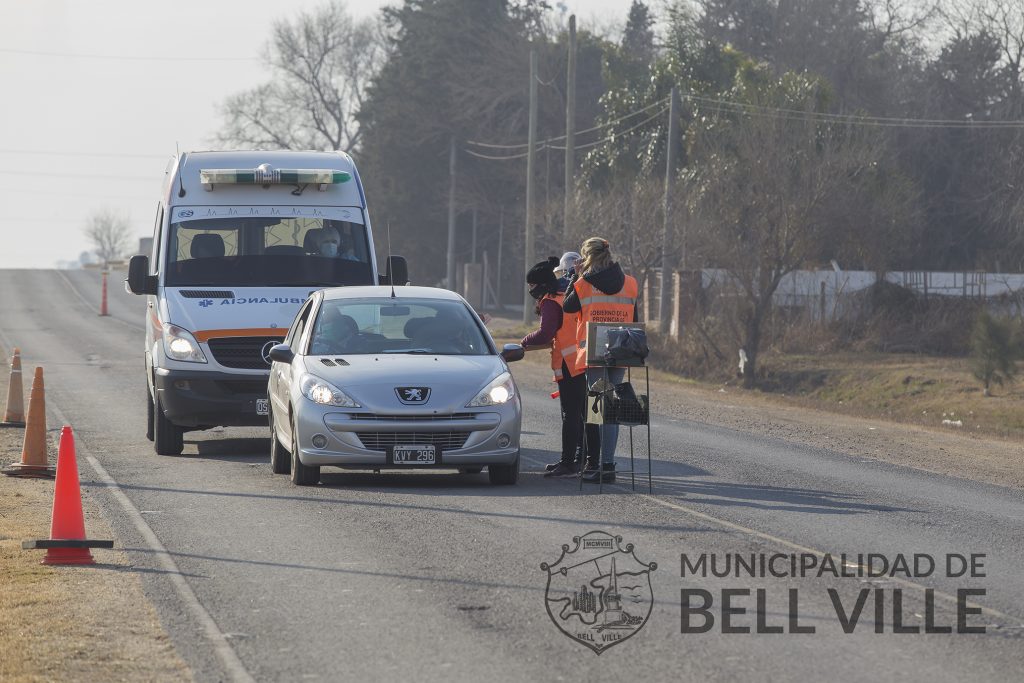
x=504 y=475
x=302 y=475
x=280 y=459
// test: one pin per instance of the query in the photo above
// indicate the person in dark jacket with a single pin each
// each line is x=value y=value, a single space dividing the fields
x=557 y=335
x=602 y=291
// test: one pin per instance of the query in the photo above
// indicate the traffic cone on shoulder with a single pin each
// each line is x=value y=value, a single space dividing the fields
x=67 y=543
x=14 y=413
x=33 y=451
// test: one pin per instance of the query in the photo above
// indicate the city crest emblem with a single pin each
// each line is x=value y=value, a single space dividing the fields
x=598 y=592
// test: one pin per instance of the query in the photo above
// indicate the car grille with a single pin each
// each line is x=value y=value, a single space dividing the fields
x=413 y=418
x=207 y=294
x=241 y=352
x=380 y=441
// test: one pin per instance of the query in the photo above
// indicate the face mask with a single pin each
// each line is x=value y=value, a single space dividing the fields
x=537 y=291
x=329 y=249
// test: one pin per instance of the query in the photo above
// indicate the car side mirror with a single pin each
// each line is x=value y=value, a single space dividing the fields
x=397 y=272
x=139 y=281
x=512 y=353
x=282 y=353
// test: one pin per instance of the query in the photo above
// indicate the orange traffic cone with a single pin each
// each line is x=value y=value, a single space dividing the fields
x=14 y=414
x=67 y=543
x=33 y=451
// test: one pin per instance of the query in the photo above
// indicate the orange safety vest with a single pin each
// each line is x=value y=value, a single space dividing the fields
x=563 y=347
x=598 y=307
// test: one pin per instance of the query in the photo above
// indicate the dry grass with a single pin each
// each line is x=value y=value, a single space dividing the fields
x=70 y=623
x=907 y=388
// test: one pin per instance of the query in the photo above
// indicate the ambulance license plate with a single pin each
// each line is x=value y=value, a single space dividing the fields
x=262 y=406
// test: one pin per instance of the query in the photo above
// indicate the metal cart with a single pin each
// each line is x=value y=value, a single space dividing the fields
x=603 y=408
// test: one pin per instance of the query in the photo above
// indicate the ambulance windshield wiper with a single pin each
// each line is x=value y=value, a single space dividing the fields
x=428 y=351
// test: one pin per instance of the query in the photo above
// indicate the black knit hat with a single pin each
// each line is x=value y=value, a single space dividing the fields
x=543 y=273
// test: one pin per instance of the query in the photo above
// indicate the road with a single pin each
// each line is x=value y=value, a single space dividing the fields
x=436 y=576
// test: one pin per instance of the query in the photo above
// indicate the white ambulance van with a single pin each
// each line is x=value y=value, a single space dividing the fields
x=241 y=240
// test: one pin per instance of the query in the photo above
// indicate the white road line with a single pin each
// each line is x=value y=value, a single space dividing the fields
x=804 y=549
x=92 y=305
x=232 y=664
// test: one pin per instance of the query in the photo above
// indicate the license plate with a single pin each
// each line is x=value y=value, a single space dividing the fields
x=262 y=406
x=414 y=455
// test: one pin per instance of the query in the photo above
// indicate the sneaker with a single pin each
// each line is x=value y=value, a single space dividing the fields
x=552 y=465
x=562 y=469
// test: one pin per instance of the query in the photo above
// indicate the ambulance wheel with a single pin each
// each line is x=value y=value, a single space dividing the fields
x=280 y=459
x=504 y=475
x=302 y=475
x=149 y=415
x=168 y=438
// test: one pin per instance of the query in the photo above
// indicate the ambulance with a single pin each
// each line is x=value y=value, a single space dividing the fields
x=240 y=241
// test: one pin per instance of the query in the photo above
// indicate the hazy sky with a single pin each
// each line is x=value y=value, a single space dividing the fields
x=94 y=95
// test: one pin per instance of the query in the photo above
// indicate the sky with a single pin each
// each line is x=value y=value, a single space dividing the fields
x=94 y=97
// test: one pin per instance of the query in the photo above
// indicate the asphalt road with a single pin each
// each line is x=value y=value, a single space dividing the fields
x=436 y=576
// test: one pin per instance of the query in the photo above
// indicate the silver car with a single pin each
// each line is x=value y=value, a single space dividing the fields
x=371 y=379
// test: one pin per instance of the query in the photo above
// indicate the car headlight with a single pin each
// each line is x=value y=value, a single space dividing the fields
x=324 y=393
x=499 y=390
x=179 y=344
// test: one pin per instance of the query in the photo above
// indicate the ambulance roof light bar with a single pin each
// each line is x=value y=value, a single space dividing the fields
x=265 y=175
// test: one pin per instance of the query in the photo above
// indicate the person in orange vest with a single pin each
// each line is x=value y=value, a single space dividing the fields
x=600 y=292
x=557 y=336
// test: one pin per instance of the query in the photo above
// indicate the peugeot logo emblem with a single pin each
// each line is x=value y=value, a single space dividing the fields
x=413 y=395
x=265 y=351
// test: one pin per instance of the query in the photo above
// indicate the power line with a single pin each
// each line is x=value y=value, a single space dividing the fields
x=881 y=121
x=129 y=58
x=501 y=158
x=581 y=132
x=43 y=152
x=611 y=137
x=80 y=176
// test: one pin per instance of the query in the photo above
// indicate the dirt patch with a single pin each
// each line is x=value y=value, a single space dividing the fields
x=70 y=623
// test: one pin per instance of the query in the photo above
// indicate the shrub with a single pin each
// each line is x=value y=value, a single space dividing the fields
x=995 y=349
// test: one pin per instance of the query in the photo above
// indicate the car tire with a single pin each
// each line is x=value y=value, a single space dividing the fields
x=280 y=459
x=149 y=414
x=504 y=475
x=470 y=470
x=302 y=475
x=168 y=438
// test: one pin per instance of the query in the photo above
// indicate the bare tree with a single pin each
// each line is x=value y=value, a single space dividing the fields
x=110 y=234
x=763 y=185
x=321 y=64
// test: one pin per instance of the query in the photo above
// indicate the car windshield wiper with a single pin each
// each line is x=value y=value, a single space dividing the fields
x=428 y=351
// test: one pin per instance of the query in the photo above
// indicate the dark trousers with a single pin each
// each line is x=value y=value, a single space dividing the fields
x=572 y=396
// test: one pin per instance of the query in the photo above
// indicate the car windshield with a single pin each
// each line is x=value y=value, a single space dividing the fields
x=268 y=251
x=396 y=326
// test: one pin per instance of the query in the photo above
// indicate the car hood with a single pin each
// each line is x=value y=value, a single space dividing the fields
x=372 y=380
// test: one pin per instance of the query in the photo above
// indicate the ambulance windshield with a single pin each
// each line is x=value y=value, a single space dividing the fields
x=248 y=249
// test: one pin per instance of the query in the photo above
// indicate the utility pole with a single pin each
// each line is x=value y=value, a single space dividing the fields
x=451 y=216
x=665 y=303
x=473 y=256
x=501 y=237
x=528 y=256
x=570 y=127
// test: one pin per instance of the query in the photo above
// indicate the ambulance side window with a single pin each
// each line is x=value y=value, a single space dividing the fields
x=295 y=334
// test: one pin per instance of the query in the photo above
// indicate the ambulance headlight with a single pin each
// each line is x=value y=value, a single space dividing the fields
x=179 y=344
x=499 y=390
